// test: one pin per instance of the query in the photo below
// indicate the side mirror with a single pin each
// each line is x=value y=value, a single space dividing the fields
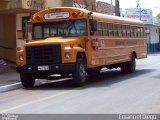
x=93 y=25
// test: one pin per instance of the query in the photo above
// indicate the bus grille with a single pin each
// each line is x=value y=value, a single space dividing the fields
x=48 y=54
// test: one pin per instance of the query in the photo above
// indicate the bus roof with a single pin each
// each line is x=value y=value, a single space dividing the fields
x=115 y=19
x=59 y=13
x=97 y=16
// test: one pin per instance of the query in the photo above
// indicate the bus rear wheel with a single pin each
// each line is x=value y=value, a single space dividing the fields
x=27 y=80
x=80 y=73
x=130 y=66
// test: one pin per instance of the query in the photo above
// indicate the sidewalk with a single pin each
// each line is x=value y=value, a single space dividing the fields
x=8 y=74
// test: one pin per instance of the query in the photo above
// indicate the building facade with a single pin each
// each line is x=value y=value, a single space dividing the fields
x=13 y=13
x=153 y=36
x=105 y=8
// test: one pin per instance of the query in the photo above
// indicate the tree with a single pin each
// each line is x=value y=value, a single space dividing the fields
x=158 y=16
x=86 y=4
x=158 y=19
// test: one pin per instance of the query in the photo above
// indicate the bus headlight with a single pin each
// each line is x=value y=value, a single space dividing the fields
x=68 y=55
x=21 y=58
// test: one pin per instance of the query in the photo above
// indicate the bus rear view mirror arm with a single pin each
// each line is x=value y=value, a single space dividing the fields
x=93 y=25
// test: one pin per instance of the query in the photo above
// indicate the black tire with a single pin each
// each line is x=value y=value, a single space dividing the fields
x=130 y=66
x=80 y=74
x=27 y=80
x=123 y=68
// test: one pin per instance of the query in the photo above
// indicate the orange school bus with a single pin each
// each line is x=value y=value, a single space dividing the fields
x=76 y=43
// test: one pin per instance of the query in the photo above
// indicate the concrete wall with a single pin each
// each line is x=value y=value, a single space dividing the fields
x=4 y=5
x=59 y=3
x=53 y=3
x=7 y=37
x=153 y=42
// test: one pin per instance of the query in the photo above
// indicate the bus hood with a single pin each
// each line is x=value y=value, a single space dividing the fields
x=53 y=40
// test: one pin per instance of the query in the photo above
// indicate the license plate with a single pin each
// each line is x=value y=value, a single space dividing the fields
x=43 y=68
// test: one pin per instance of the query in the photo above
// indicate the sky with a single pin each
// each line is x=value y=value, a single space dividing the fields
x=148 y=4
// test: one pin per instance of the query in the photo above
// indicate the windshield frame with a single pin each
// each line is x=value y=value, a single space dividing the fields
x=58 y=23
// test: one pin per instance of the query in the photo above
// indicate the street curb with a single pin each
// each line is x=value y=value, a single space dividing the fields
x=10 y=87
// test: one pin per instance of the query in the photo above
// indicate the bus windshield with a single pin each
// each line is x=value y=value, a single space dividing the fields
x=68 y=28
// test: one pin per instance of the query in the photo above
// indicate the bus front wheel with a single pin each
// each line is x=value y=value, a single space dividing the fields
x=27 y=80
x=80 y=73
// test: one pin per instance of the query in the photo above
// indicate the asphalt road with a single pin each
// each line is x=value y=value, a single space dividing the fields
x=111 y=92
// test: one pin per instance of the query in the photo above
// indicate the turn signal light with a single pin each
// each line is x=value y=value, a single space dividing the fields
x=36 y=18
x=75 y=14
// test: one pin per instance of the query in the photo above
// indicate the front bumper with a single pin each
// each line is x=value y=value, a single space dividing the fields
x=52 y=69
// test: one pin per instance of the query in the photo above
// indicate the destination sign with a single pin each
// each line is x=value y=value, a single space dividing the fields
x=56 y=15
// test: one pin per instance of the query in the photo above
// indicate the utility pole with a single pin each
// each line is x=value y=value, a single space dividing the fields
x=138 y=6
x=117 y=12
x=111 y=7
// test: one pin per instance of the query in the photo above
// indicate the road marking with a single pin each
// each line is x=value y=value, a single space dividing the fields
x=36 y=101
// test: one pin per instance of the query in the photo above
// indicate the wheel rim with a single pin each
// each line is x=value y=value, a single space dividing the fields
x=82 y=72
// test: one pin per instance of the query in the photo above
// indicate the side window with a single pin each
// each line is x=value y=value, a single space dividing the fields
x=132 y=31
x=99 y=28
x=94 y=33
x=135 y=32
x=105 y=29
x=128 y=31
x=124 y=30
x=115 y=30
x=142 y=32
x=139 y=31
x=110 y=29
x=120 y=30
